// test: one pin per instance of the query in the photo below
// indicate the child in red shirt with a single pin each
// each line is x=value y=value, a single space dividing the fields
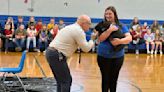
x=9 y=34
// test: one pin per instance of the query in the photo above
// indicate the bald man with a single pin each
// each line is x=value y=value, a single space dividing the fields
x=63 y=46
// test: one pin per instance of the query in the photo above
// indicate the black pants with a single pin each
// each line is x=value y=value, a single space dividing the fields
x=59 y=67
x=109 y=71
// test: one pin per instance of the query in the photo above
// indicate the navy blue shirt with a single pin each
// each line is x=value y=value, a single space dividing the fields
x=105 y=48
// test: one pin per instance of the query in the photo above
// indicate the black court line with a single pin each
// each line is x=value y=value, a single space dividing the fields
x=132 y=84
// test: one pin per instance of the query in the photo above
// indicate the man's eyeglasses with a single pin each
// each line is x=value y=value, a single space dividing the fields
x=88 y=23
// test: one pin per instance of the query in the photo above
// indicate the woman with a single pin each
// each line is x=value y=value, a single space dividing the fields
x=149 y=38
x=110 y=61
x=10 y=22
x=158 y=42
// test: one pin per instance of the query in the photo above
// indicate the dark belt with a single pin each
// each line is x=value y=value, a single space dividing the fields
x=61 y=55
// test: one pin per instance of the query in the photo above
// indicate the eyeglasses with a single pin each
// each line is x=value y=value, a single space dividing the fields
x=88 y=23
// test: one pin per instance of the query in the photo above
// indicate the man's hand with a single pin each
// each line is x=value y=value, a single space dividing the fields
x=93 y=36
x=18 y=37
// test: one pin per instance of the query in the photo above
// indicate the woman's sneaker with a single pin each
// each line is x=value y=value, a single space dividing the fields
x=148 y=52
x=151 y=52
x=137 y=51
x=161 y=52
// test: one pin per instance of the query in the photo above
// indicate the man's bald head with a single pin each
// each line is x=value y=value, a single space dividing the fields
x=84 y=20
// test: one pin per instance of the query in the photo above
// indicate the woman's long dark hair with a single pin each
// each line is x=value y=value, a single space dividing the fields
x=134 y=23
x=112 y=8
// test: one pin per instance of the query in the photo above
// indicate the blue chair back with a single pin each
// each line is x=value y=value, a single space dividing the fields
x=21 y=64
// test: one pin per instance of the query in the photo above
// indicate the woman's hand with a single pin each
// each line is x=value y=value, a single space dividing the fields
x=112 y=28
x=116 y=41
x=107 y=33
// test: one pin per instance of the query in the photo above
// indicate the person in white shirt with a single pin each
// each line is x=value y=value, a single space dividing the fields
x=63 y=46
x=31 y=36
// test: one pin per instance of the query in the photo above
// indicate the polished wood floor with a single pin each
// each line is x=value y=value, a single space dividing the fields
x=140 y=73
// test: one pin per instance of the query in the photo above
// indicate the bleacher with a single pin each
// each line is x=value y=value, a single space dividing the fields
x=70 y=20
x=46 y=20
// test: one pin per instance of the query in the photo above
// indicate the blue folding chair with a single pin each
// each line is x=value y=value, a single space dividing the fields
x=15 y=70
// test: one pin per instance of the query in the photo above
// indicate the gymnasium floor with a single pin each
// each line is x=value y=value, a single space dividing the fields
x=140 y=73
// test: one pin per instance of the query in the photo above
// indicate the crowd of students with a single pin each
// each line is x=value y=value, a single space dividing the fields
x=22 y=34
x=151 y=35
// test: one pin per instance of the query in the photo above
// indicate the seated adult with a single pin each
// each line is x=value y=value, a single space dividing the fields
x=20 y=37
